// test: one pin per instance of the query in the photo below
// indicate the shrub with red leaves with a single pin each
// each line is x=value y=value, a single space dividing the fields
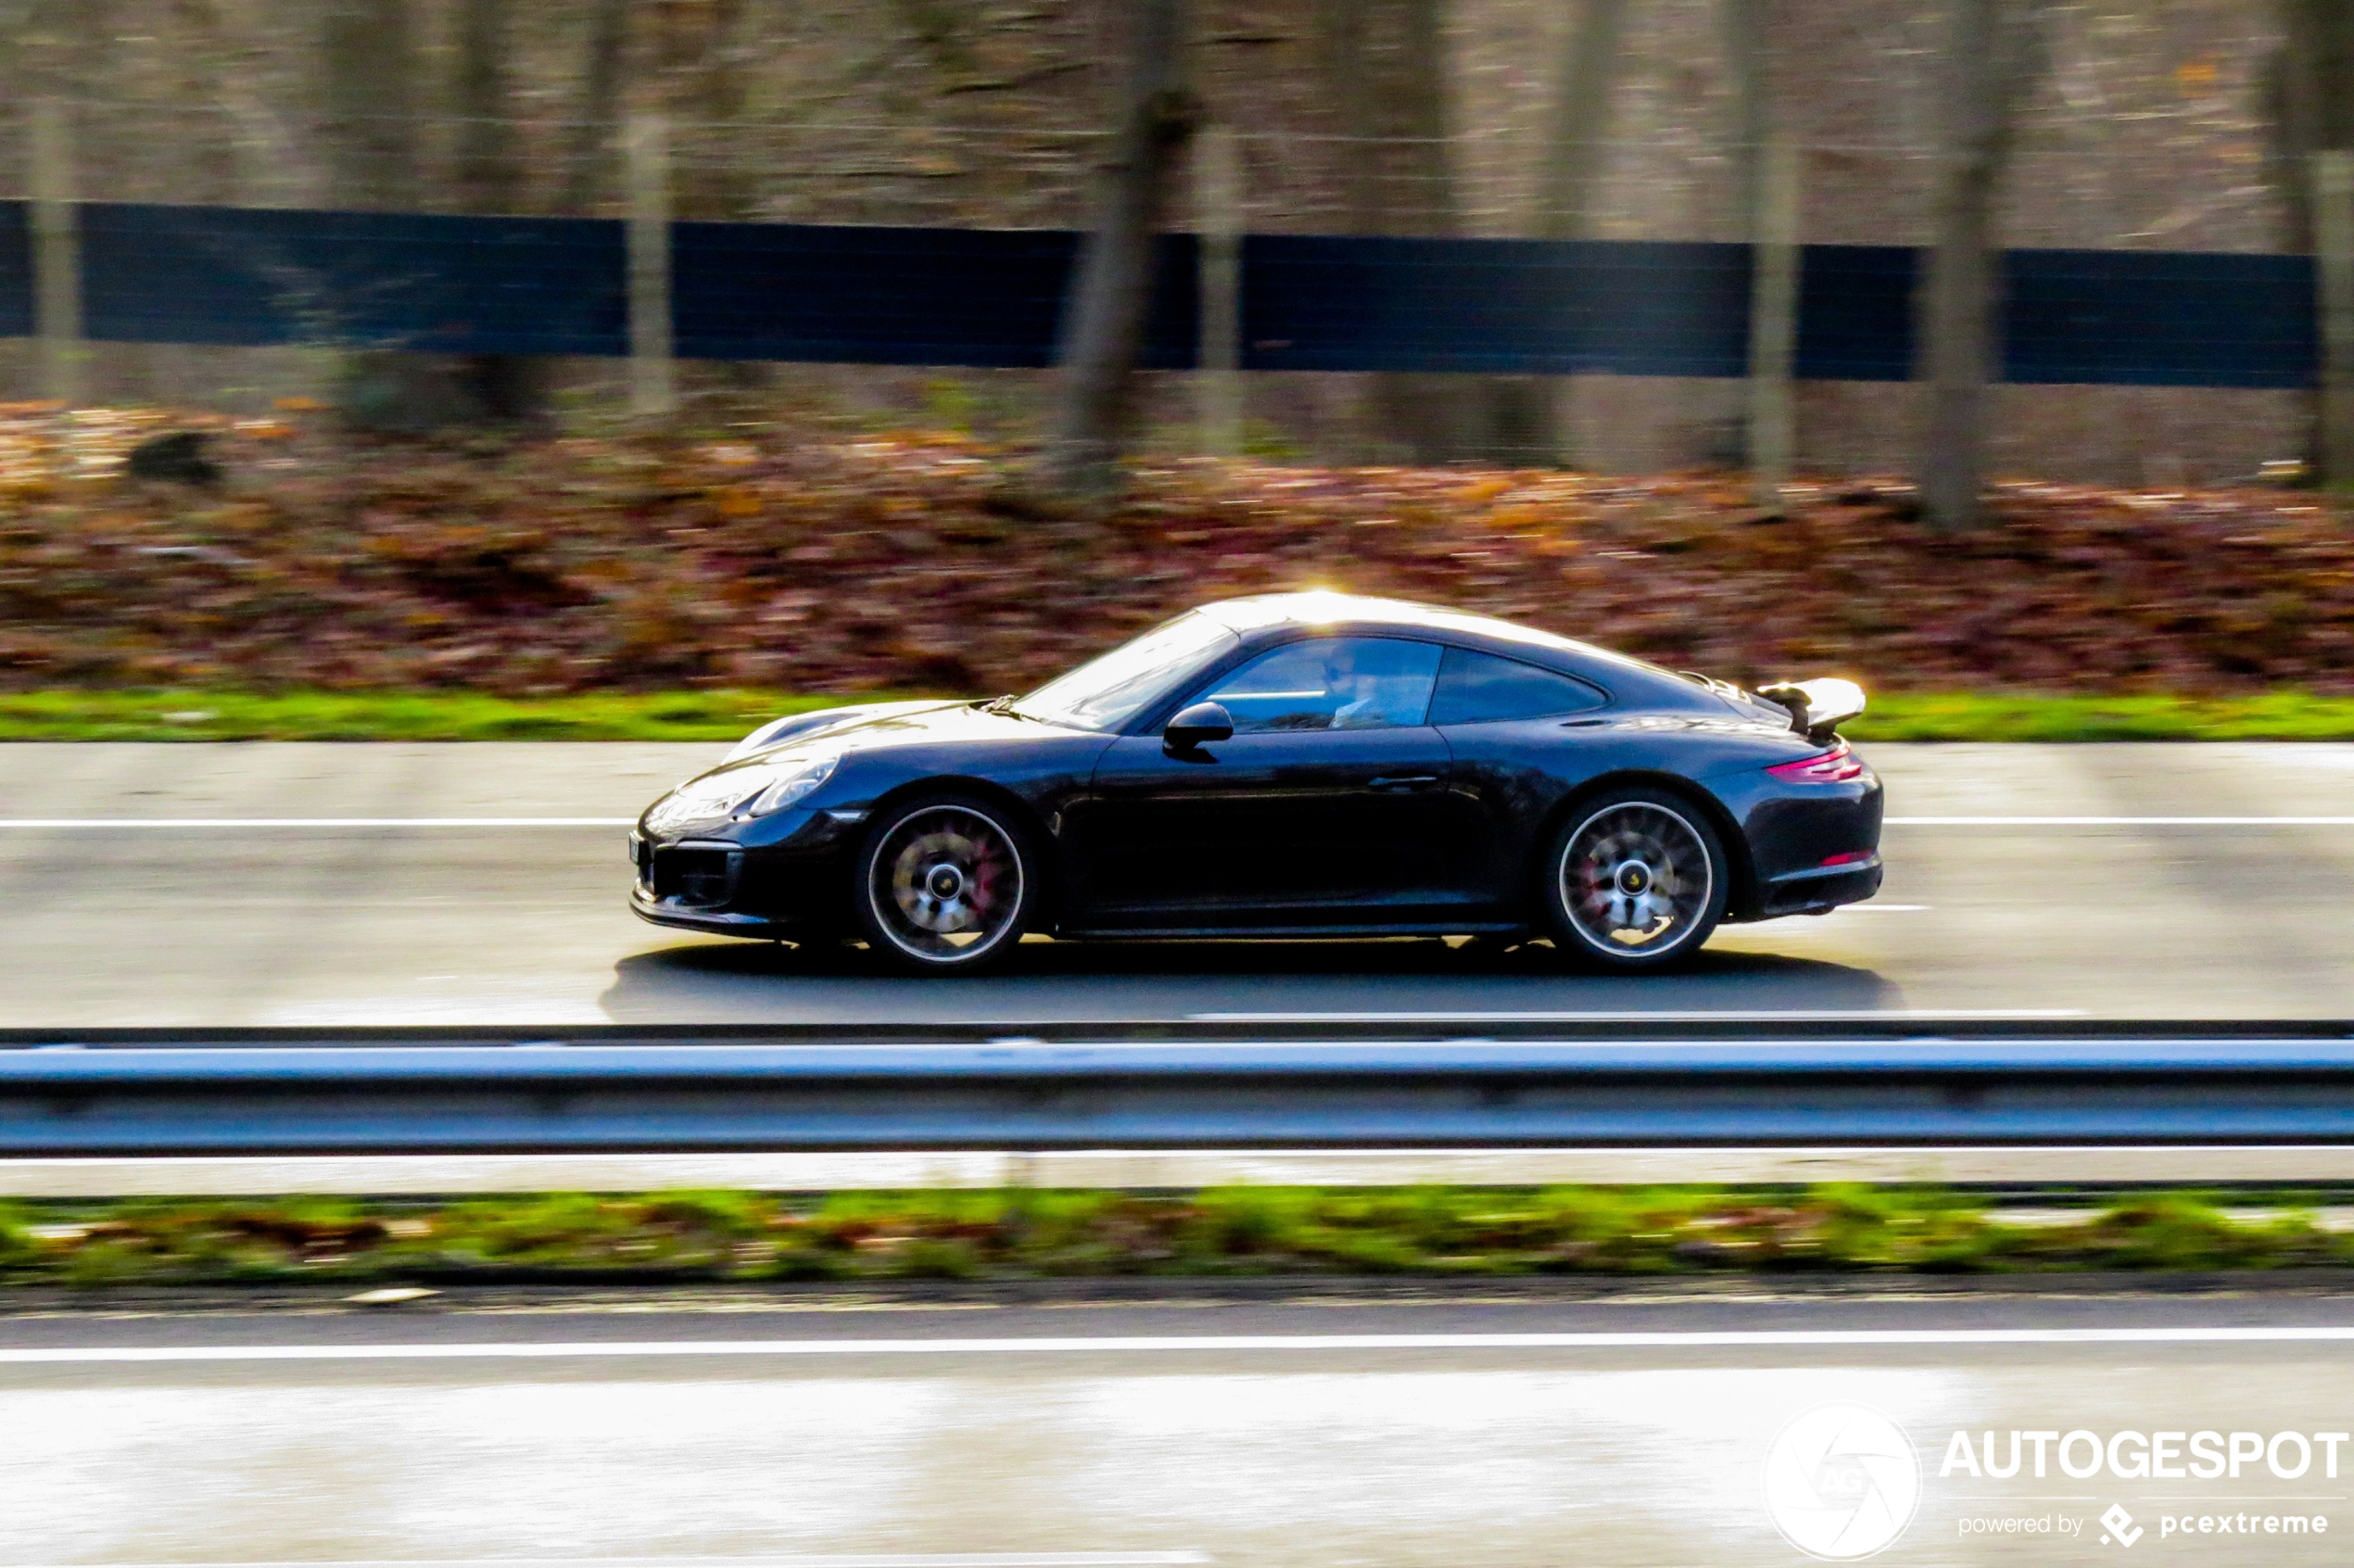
x=792 y=561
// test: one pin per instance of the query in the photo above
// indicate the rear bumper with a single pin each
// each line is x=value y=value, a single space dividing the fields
x=1820 y=891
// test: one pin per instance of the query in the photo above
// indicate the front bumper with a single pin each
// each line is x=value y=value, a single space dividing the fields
x=796 y=884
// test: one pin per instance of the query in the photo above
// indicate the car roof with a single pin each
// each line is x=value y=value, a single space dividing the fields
x=1323 y=608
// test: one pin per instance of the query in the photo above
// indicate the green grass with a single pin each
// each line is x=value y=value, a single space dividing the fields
x=391 y=715
x=2272 y=716
x=201 y=715
x=1230 y=1232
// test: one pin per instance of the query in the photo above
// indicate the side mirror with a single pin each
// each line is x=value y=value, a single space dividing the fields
x=1193 y=727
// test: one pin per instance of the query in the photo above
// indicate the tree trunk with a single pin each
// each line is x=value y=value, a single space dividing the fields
x=1529 y=413
x=2309 y=91
x=1382 y=68
x=506 y=388
x=371 y=130
x=1111 y=289
x=1745 y=31
x=1991 y=59
x=1575 y=155
x=597 y=120
x=372 y=114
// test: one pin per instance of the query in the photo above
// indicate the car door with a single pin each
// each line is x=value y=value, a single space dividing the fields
x=1512 y=731
x=1327 y=808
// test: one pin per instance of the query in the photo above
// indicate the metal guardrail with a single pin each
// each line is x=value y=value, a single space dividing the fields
x=1143 y=1086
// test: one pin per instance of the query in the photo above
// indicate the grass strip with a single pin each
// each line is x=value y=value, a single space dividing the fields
x=134 y=714
x=209 y=714
x=1033 y=1234
x=2271 y=715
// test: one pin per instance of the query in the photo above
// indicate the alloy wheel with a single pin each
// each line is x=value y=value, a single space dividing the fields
x=947 y=884
x=1636 y=881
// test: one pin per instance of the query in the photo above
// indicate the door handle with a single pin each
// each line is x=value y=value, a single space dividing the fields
x=1410 y=781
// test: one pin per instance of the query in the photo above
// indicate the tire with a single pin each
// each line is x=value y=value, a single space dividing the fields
x=945 y=884
x=1635 y=880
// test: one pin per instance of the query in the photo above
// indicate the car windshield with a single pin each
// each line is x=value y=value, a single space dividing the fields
x=1106 y=692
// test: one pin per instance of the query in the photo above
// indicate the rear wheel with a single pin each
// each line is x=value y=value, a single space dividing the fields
x=1636 y=879
x=944 y=885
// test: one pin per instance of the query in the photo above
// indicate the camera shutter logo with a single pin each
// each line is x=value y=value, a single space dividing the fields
x=1841 y=1482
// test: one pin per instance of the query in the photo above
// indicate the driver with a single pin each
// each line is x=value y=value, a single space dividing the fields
x=1359 y=690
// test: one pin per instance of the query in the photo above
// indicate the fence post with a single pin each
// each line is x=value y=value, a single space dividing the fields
x=1773 y=323
x=2334 y=278
x=1218 y=227
x=654 y=386
x=56 y=254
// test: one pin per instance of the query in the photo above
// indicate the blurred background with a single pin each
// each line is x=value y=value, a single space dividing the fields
x=204 y=143
x=930 y=344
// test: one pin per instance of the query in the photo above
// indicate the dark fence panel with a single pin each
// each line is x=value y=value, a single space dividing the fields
x=2160 y=319
x=1855 y=312
x=228 y=275
x=16 y=270
x=1530 y=306
x=899 y=297
x=995 y=298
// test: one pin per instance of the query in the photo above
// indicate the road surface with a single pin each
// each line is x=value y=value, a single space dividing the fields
x=211 y=884
x=1451 y=1434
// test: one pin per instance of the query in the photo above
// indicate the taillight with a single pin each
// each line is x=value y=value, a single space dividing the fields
x=1835 y=767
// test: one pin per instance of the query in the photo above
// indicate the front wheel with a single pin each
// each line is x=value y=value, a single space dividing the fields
x=1636 y=879
x=944 y=885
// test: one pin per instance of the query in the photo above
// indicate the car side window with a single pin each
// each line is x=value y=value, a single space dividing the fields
x=1330 y=683
x=1483 y=689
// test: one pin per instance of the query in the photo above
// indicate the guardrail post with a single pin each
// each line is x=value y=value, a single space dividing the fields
x=1218 y=193
x=2333 y=279
x=56 y=254
x=653 y=384
x=1773 y=323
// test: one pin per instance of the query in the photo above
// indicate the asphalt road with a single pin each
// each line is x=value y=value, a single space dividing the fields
x=209 y=884
x=1451 y=1434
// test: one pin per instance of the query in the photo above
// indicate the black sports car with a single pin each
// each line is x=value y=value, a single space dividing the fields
x=1309 y=763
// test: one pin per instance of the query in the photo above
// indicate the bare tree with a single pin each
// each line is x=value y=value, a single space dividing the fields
x=1994 y=51
x=1529 y=414
x=1111 y=296
x=597 y=120
x=2309 y=93
x=371 y=103
x=1745 y=29
x=1382 y=66
x=371 y=141
x=503 y=388
x=1576 y=150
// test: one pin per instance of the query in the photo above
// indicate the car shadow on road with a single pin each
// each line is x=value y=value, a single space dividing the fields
x=708 y=982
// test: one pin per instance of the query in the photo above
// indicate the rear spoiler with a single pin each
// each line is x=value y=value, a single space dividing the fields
x=1817 y=707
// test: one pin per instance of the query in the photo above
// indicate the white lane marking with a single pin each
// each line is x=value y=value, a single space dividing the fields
x=1663 y=1014
x=1696 y=1339
x=2121 y=822
x=306 y=823
x=838 y=1560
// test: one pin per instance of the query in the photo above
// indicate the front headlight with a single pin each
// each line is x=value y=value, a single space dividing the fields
x=789 y=787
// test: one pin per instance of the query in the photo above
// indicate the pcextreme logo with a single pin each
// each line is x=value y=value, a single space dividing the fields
x=1841 y=1482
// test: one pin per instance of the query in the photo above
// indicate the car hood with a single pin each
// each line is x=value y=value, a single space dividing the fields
x=911 y=724
x=708 y=800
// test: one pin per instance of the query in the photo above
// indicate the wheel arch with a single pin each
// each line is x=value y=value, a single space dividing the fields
x=1047 y=900
x=1740 y=901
